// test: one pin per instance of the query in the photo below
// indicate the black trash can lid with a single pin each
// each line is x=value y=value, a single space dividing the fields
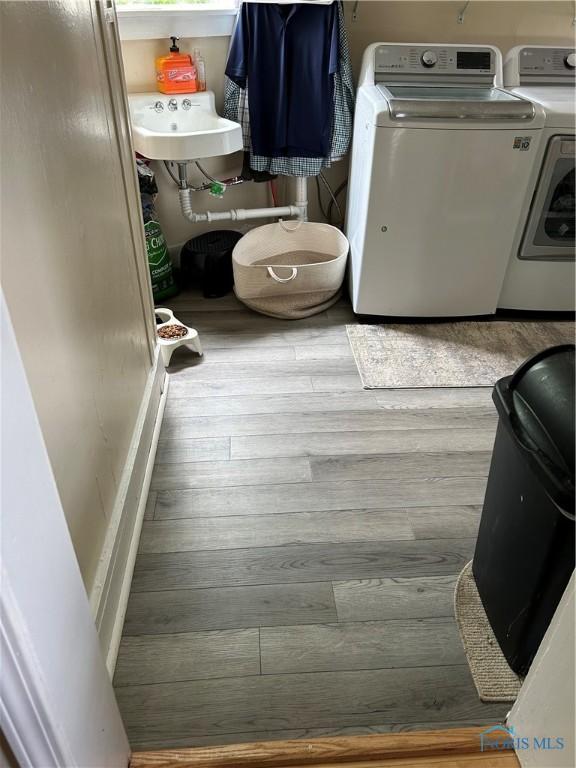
x=212 y=243
x=542 y=391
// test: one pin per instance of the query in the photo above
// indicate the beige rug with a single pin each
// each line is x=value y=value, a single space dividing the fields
x=461 y=354
x=493 y=678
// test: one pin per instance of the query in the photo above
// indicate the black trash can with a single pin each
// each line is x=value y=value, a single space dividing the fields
x=525 y=550
x=206 y=262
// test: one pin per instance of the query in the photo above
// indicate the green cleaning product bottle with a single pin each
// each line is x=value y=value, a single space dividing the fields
x=163 y=284
x=161 y=273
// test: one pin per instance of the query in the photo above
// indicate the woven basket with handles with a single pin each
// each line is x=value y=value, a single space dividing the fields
x=290 y=269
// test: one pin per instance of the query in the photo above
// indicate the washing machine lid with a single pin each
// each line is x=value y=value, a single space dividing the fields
x=407 y=102
x=557 y=101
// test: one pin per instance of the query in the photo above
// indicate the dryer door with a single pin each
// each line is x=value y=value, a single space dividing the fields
x=549 y=234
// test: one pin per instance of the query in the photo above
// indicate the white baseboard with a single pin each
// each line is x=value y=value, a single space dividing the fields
x=109 y=595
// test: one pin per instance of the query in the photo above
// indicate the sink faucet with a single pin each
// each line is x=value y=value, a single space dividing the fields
x=173 y=105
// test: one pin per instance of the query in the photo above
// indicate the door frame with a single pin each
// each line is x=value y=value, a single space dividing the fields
x=545 y=707
x=57 y=704
x=109 y=60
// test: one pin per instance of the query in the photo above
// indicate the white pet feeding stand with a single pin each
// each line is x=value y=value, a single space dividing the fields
x=167 y=346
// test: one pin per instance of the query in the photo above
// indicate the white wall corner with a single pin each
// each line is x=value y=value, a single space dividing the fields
x=109 y=594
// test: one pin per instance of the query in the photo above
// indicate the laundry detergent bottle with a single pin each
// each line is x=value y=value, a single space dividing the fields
x=176 y=72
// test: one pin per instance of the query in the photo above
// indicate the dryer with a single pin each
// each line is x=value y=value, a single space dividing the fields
x=441 y=158
x=541 y=274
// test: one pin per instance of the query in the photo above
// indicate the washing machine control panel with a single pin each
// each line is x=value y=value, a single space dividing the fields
x=407 y=61
x=554 y=64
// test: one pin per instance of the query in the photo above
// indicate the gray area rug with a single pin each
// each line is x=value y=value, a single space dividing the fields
x=493 y=678
x=461 y=354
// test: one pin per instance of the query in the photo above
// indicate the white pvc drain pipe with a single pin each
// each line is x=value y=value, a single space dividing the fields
x=298 y=209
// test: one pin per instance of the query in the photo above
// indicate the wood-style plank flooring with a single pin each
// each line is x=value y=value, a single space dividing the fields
x=301 y=544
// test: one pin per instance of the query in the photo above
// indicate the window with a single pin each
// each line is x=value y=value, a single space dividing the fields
x=153 y=19
x=181 y=4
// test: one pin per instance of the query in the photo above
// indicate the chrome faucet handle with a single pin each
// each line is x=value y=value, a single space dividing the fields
x=173 y=105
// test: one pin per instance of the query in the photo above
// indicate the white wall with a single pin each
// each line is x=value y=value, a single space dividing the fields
x=69 y=268
x=545 y=707
x=57 y=704
x=504 y=24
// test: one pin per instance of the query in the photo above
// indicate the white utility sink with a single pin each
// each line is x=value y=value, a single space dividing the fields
x=181 y=127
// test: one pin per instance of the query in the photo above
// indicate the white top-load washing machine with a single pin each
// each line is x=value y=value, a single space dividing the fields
x=441 y=159
x=541 y=273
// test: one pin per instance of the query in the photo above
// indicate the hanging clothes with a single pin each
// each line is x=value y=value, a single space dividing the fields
x=287 y=54
x=299 y=116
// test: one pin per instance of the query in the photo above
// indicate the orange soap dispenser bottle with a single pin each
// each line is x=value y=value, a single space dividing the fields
x=176 y=73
